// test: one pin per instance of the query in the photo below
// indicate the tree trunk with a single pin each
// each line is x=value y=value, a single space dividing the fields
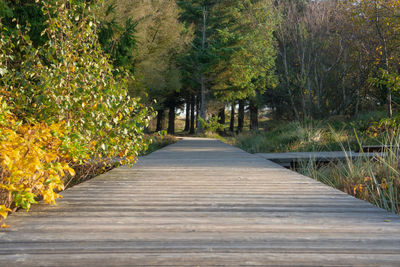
x=192 y=115
x=253 y=116
x=171 y=120
x=296 y=113
x=241 y=115
x=385 y=54
x=309 y=98
x=359 y=80
x=344 y=82
x=160 y=120
x=197 y=113
x=232 y=122
x=203 y=104
x=221 y=116
x=187 y=120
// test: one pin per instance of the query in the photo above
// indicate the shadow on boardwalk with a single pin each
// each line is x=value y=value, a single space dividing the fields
x=202 y=202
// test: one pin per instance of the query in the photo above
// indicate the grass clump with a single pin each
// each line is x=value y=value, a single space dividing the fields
x=158 y=142
x=376 y=180
x=312 y=135
x=294 y=136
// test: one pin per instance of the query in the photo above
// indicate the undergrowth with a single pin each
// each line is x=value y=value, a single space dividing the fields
x=158 y=142
x=311 y=135
x=376 y=179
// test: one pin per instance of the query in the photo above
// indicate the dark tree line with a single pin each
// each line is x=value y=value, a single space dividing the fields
x=229 y=58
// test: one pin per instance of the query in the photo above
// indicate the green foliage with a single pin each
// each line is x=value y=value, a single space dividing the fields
x=119 y=41
x=70 y=79
x=384 y=83
x=211 y=125
x=26 y=13
x=311 y=135
x=159 y=141
x=385 y=125
x=63 y=105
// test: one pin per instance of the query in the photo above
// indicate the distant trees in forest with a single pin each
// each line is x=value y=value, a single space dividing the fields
x=300 y=58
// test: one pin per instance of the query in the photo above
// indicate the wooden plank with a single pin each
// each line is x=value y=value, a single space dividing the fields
x=202 y=202
x=295 y=159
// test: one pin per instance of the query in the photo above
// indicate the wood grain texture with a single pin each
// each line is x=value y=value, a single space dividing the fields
x=200 y=202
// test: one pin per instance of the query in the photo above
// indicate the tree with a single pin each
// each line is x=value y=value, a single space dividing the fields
x=382 y=17
x=159 y=39
x=247 y=65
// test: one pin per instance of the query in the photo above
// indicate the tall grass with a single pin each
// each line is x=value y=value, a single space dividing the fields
x=376 y=179
x=296 y=136
x=158 y=142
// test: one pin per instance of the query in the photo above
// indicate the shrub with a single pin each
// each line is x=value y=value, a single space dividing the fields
x=63 y=106
x=32 y=162
x=211 y=125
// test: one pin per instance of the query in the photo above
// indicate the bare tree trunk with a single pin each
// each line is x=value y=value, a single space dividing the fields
x=171 y=120
x=221 y=116
x=310 y=102
x=358 y=85
x=241 y=115
x=203 y=104
x=343 y=81
x=295 y=111
x=385 y=54
x=203 y=107
x=318 y=85
x=232 y=122
x=192 y=116
x=253 y=116
x=160 y=120
x=197 y=114
x=187 y=119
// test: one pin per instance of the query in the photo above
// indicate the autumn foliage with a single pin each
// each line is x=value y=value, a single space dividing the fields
x=32 y=161
x=63 y=105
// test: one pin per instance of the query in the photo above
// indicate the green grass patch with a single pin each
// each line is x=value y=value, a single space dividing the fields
x=311 y=135
x=159 y=141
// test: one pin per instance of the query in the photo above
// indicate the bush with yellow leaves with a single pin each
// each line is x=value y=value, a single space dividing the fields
x=32 y=163
x=63 y=105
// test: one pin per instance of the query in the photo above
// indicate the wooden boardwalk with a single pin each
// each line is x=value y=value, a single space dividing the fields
x=201 y=202
x=293 y=159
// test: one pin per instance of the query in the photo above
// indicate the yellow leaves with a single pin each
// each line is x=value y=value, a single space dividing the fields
x=367 y=180
x=384 y=184
x=4 y=211
x=93 y=143
x=30 y=161
x=70 y=170
x=359 y=188
x=49 y=197
x=5 y=226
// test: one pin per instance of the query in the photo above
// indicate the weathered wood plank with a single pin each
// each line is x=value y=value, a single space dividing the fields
x=201 y=202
